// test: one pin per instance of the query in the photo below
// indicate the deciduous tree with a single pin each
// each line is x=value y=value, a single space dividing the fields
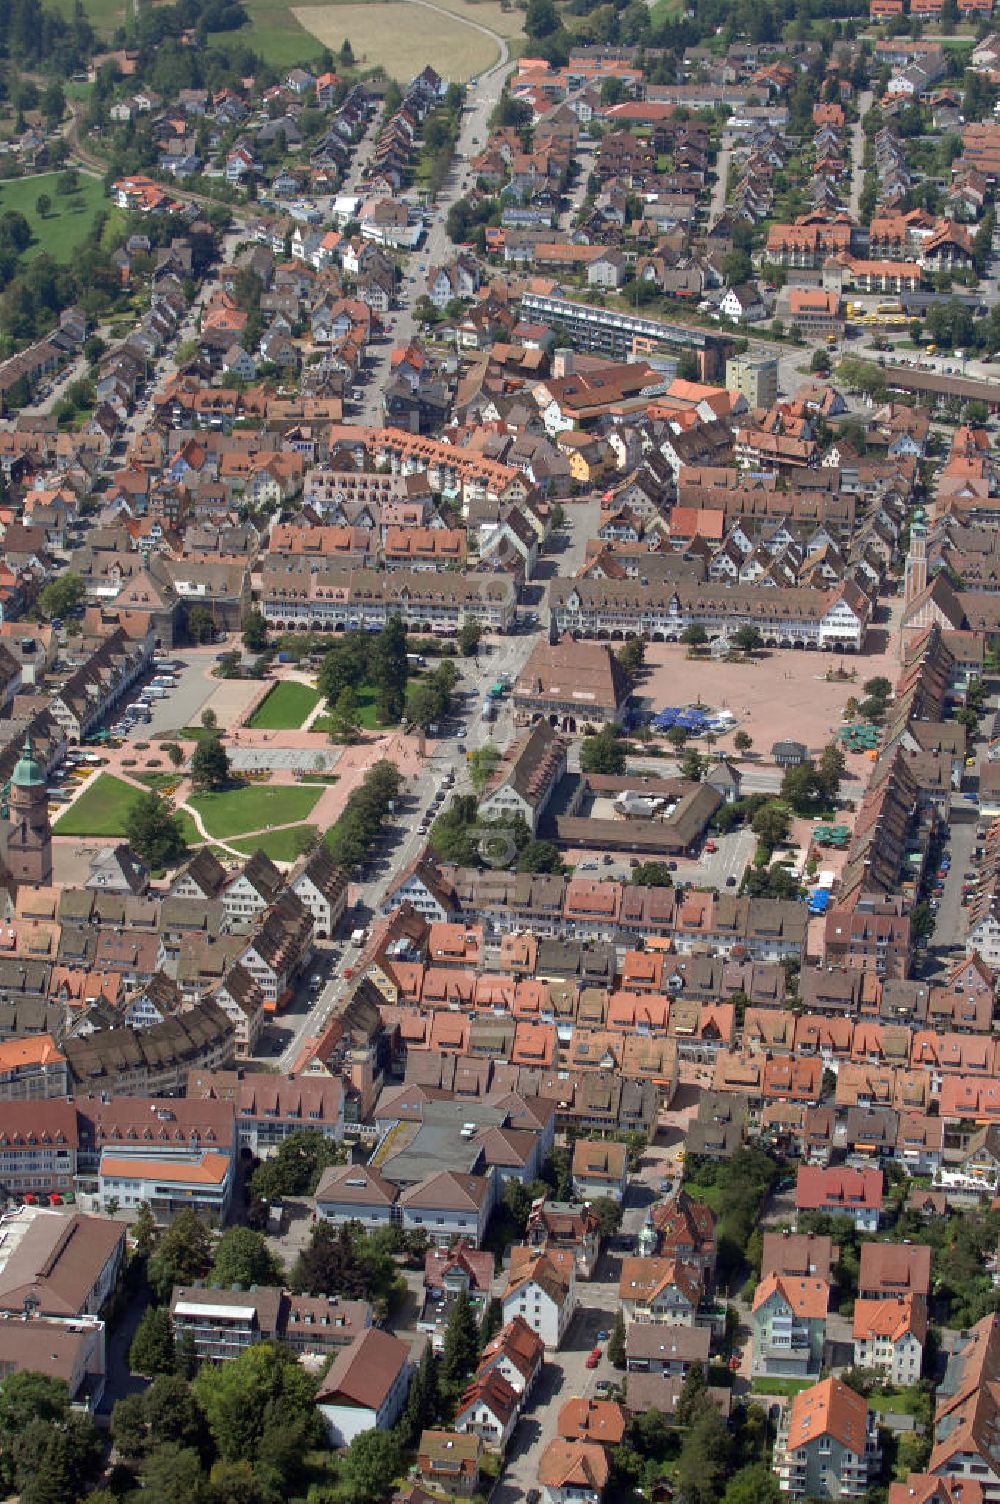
x=243 y=1258
x=184 y=1254
x=210 y=765
x=297 y=1166
x=154 y=830
x=152 y=1348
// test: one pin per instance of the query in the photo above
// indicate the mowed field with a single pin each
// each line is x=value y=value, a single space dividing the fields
x=402 y=38
x=68 y=223
x=104 y=15
x=396 y=35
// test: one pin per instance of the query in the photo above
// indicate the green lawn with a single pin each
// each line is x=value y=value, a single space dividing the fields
x=104 y=15
x=906 y=1402
x=664 y=10
x=100 y=810
x=367 y=717
x=103 y=809
x=787 y=1387
x=68 y=223
x=273 y=33
x=253 y=806
x=286 y=707
x=366 y=712
x=157 y=780
x=279 y=845
x=713 y=1195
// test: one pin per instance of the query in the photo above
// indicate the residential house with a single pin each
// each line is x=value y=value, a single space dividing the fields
x=489 y=1409
x=541 y=1289
x=789 y=1325
x=449 y=1461
x=599 y=1169
x=841 y=1192
x=659 y=1290
x=827 y=1444
x=573 y=1472
x=517 y=1353
x=366 y=1386
x=889 y=1336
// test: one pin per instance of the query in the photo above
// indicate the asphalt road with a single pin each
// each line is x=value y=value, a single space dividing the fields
x=435 y=248
x=499 y=655
x=858 y=153
x=564 y=1377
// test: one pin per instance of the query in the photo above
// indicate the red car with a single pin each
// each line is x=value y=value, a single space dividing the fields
x=594 y=1359
x=711 y=846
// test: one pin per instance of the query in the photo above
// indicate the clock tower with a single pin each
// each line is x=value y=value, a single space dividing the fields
x=29 y=834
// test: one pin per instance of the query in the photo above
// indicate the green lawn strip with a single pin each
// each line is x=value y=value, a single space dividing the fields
x=236 y=812
x=907 y=1402
x=285 y=707
x=69 y=221
x=192 y=835
x=366 y=707
x=156 y=780
x=788 y=1387
x=188 y=734
x=279 y=845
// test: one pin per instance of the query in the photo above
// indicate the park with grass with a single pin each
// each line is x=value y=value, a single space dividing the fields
x=102 y=811
x=285 y=707
x=68 y=218
x=253 y=806
x=280 y=845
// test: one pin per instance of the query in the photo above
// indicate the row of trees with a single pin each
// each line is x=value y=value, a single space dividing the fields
x=364 y=815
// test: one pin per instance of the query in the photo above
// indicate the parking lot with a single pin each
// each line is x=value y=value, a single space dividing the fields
x=710 y=869
x=180 y=705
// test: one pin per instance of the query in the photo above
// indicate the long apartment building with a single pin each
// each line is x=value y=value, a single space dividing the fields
x=832 y=620
x=296 y=596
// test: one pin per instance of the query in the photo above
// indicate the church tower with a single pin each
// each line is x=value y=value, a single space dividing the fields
x=29 y=838
x=915 y=579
